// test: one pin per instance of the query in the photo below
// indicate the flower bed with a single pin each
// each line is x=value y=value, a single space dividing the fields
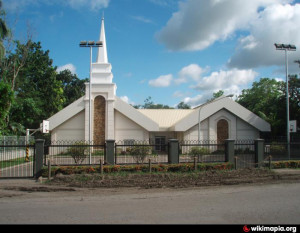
x=182 y=167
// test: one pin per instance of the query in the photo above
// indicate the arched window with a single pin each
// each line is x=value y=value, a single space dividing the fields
x=222 y=130
x=99 y=120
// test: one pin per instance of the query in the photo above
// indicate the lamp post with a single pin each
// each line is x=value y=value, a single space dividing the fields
x=91 y=45
x=286 y=48
x=200 y=108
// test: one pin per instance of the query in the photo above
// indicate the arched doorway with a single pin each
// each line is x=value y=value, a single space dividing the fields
x=99 y=120
x=222 y=130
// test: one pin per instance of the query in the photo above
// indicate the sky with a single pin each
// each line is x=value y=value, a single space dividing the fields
x=171 y=50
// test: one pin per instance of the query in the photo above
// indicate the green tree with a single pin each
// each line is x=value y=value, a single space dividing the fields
x=7 y=96
x=149 y=104
x=183 y=105
x=4 y=31
x=38 y=94
x=266 y=99
x=73 y=87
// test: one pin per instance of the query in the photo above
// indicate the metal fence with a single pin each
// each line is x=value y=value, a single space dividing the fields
x=244 y=151
x=279 y=150
x=139 y=152
x=73 y=153
x=17 y=157
x=206 y=151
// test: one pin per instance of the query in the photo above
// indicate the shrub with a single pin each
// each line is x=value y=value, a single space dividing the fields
x=139 y=152
x=78 y=152
x=198 y=152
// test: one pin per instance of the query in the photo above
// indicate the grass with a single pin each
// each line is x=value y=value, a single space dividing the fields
x=14 y=162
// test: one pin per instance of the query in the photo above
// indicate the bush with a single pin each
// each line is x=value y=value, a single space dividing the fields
x=78 y=152
x=198 y=152
x=286 y=164
x=139 y=152
x=183 y=167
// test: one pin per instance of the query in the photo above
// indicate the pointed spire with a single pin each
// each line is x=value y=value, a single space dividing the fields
x=102 y=51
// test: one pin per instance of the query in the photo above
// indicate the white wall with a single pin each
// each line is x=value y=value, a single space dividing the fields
x=128 y=129
x=72 y=129
x=238 y=129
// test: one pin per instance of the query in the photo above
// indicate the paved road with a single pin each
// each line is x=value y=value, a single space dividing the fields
x=251 y=204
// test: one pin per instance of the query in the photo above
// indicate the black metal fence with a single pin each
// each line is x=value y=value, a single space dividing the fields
x=279 y=150
x=139 y=152
x=17 y=158
x=206 y=151
x=73 y=153
x=244 y=151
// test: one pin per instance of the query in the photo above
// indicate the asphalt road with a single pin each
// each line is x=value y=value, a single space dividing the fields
x=241 y=204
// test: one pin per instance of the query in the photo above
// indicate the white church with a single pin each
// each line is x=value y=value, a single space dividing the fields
x=110 y=118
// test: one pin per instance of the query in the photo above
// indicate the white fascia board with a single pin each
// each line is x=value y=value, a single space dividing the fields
x=134 y=115
x=213 y=107
x=66 y=113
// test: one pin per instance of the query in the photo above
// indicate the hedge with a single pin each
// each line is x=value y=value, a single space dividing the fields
x=183 y=167
x=286 y=164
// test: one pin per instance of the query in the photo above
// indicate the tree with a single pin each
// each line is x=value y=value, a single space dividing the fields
x=73 y=87
x=149 y=104
x=183 y=105
x=4 y=31
x=38 y=94
x=266 y=99
x=7 y=96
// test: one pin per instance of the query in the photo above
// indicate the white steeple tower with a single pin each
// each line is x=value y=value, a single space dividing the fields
x=103 y=92
x=102 y=51
x=101 y=70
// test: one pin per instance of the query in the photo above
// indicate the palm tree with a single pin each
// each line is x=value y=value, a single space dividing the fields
x=4 y=31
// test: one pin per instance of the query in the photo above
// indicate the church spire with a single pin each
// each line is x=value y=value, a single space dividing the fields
x=102 y=51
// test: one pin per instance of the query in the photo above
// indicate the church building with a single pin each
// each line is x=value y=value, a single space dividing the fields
x=112 y=118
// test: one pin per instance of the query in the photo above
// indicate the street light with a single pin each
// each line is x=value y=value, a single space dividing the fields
x=91 y=45
x=286 y=48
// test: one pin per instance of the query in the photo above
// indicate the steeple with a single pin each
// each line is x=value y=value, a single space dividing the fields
x=102 y=51
x=101 y=69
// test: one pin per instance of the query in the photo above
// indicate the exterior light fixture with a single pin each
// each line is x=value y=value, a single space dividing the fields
x=91 y=45
x=286 y=48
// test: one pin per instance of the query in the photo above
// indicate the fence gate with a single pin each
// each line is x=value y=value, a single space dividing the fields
x=17 y=160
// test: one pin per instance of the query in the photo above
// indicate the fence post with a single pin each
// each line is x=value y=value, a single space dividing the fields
x=229 y=150
x=259 y=152
x=39 y=148
x=110 y=152
x=173 y=153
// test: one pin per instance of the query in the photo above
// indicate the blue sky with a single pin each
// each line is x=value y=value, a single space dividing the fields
x=171 y=50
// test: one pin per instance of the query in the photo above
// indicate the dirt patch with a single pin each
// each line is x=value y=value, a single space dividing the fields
x=173 y=180
x=39 y=189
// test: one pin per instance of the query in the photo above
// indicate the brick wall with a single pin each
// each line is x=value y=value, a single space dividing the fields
x=99 y=120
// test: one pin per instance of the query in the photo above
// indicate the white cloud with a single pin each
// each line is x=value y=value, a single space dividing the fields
x=161 y=81
x=191 y=72
x=276 y=24
x=225 y=79
x=127 y=100
x=200 y=23
x=94 y=5
x=142 y=19
x=69 y=66
x=230 y=81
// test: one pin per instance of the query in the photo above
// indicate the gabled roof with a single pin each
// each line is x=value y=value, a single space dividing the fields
x=66 y=113
x=124 y=108
x=135 y=115
x=178 y=120
x=208 y=109
x=166 y=118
